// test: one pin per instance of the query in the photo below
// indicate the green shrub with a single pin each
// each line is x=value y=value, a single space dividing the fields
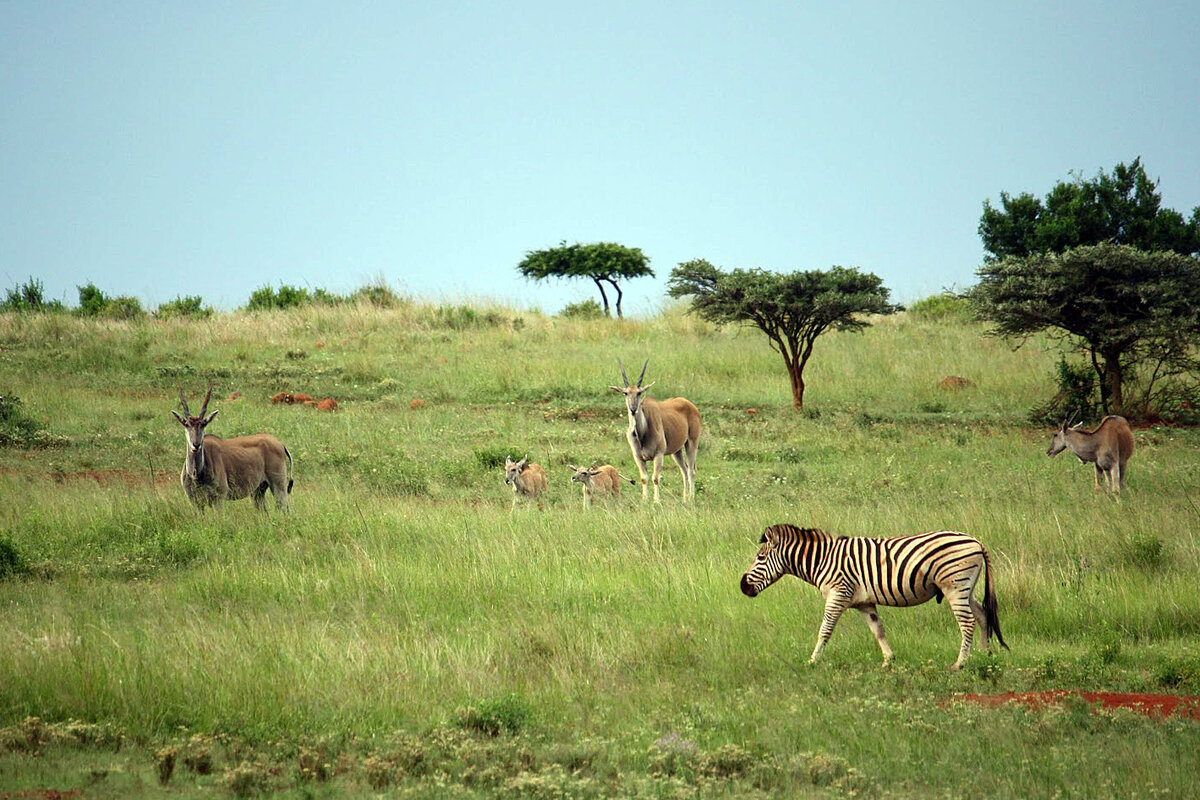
x=123 y=307
x=268 y=298
x=17 y=429
x=11 y=561
x=1144 y=551
x=1075 y=398
x=29 y=297
x=192 y=306
x=91 y=300
x=588 y=309
x=509 y=713
x=377 y=294
x=944 y=306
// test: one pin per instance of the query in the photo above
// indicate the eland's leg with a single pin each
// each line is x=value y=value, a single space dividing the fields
x=1100 y=477
x=641 y=465
x=260 y=496
x=871 y=615
x=1115 y=479
x=692 y=447
x=681 y=461
x=835 y=604
x=657 y=475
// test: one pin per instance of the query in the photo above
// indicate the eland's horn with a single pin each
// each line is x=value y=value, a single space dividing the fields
x=643 y=375
x=624 y=377
x=183 y=403
x=207 y=397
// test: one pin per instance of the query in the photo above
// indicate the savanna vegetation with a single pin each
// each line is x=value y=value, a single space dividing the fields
x=402 y=633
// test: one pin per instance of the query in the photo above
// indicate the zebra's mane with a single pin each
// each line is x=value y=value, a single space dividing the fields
x=793 y=532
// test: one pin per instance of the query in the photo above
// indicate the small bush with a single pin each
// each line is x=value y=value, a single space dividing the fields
x=588 y=309
x=1075 y=398
x=12 y=563
x=494 y=457
x=508 y=713
x=377 y=294
x=1144 y=551
x=944 y=306
x=18 y=429
x=268 y=298
x=123 y=307
x=29 y=296
x=192 y=306
x=91 y=300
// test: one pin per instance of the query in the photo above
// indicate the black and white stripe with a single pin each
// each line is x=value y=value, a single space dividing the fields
x=863 y=573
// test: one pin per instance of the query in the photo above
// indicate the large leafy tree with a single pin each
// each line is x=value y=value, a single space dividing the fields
x=1101 y=263
x=791 y=309
x=1121 y=207
x=1130 y=309
x=602 y=262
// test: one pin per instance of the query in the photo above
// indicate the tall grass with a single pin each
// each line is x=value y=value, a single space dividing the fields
x=613 y=647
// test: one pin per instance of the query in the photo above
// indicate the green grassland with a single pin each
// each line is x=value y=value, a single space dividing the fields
x=403 y=633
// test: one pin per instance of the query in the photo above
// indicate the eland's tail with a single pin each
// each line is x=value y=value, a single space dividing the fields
x=291 y=471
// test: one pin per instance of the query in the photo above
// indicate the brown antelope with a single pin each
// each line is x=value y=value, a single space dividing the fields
x=527 y=480
x=1109 y=447
x=217 y=469
x=603 y=481
x=657 y=429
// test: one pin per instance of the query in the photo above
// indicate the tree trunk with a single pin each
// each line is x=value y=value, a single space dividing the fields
x=603 y=296
x=620 y=294
x=1113 y=377
x=797 y=376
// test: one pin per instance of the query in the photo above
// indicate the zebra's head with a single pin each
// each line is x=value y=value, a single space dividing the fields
x=767 y=567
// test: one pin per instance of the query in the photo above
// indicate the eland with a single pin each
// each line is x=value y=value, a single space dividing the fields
x=216 y=470
x=661 y=428
x=1109 y=447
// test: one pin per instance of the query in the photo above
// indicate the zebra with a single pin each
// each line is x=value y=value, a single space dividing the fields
x=855 y=572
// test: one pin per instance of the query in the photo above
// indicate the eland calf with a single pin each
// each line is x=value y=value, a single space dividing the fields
x=603 y=481
x=656 y=429
x=216 y=470
x=527 y=480
x=1109 y=447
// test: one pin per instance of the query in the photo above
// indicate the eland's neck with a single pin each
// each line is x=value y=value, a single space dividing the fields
x=1083 y=444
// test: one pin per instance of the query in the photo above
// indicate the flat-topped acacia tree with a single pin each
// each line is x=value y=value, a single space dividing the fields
x=792 y=309
x=602 y=262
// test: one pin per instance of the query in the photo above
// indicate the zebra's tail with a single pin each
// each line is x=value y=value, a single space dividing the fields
x=989 y=602
x=291 y=470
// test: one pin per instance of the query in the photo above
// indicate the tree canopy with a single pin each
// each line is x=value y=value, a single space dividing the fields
x=1102 y=264
x=601 y=262
x=1130 y=309
x=1124 y=207
x=791 y=309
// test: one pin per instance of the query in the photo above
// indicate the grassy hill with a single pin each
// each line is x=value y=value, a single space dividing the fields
x=403 y=632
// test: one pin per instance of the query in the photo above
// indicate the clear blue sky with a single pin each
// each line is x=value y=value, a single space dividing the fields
x=170 y=148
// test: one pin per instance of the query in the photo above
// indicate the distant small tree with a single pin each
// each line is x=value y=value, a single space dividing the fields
x=603 y=262
x=91 y=300
x=791 y=309
x=192 y=306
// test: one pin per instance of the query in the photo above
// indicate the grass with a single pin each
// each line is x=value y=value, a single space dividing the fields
x=403 y=633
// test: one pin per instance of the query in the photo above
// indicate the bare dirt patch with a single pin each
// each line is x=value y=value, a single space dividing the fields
x=1153 y=705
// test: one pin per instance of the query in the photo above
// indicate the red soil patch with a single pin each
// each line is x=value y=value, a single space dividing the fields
x=1153 y=705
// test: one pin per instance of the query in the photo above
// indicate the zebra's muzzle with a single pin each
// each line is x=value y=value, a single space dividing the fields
x=748 y=588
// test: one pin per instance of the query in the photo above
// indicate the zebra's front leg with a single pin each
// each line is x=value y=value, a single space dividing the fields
x=871 y=615
x=835 y=604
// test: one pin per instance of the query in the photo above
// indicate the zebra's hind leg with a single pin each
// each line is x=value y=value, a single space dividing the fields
x=871 y=615
x=985 y=633
x=960 y=605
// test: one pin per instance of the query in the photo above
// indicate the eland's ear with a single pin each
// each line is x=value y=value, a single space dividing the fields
x=646 y=387
x=182 y=421
x=508 y=462
x=617 y=389
x=573 y=468
x=212 y=416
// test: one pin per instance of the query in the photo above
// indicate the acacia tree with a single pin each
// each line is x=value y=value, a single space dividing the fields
x=791 y=309
x=1102 y=264
x=602 y=262
x=1130 y=309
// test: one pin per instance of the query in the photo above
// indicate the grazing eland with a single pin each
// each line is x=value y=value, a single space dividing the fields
x=1109 y=447
x=661 y=428
x=216 y=470
x=603 y=481
x=527 y=480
